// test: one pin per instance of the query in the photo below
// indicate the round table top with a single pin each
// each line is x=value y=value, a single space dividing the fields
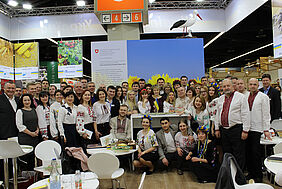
x=68 y=182
x=274 y=167
x=25 y=148
x=121 y=153
x=275 y=140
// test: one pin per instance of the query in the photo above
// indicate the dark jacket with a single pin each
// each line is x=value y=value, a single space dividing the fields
x=8 y=126
x=224 y=178
x=114 y=107
x=275 y=102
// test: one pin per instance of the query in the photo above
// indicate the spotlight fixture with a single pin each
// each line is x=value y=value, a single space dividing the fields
x=12 y=3
x=80 y=3
x=200 y=0
x=152 y=1
x=27 y=6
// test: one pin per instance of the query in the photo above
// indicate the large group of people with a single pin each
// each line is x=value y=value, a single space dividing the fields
x=223 y=116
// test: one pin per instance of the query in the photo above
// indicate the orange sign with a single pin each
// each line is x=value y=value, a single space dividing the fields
x=116 y=18
x=137 y=17
x=115 y=5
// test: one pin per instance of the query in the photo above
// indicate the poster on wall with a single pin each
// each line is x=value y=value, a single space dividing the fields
x=117 y=61
x=277 y=27
x=70 y=59
x=26 y=60
x=6 y=60
x=109 y=62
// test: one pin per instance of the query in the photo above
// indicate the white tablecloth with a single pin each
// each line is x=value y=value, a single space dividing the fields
x=274 y=167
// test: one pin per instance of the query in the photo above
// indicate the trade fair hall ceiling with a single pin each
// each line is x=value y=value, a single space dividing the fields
x=251 y=33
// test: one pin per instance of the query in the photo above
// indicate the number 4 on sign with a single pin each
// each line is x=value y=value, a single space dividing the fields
x=116 y=18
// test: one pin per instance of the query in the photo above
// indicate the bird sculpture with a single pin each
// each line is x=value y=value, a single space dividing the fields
x=185 y=24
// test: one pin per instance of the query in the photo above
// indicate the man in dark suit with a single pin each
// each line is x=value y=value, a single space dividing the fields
x=274 y=96
x=8 y=108
x=111 y=92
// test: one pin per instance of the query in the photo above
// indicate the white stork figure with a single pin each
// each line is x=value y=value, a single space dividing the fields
x=187 y=23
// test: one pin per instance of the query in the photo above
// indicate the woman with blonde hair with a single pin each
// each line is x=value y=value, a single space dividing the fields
x=131 y=103
x=156 y=100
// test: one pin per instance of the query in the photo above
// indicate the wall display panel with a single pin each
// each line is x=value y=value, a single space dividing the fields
x=117 y=61
x=26 y=60
x=277 y=28
x=172 y=57
x=109 y=62
x=6 y=60
x=70 y=59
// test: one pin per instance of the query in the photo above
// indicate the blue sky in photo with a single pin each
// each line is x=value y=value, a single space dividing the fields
x=175 y=57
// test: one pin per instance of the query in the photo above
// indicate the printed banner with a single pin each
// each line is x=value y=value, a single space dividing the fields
x=70 y=59
x=6 y=60
x=109 y=62
x=26 y=60
x=277 y=27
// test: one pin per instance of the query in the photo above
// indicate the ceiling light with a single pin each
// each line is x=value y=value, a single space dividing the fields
x=13 y=3
x=152 y=1
x=80 y=3
x=27 y=6
x=200 y=0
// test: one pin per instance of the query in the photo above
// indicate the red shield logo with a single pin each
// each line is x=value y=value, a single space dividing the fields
x=96 y=50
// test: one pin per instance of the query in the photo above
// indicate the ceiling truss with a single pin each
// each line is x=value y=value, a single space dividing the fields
x=9 y=11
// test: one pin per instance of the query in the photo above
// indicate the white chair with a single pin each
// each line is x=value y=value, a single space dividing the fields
x=246 y=186
x=141 y=185
x=10 y=149
x=106 y=166
x=46 y=151
x=277 y=149
x=278 y=178
x=276 y=124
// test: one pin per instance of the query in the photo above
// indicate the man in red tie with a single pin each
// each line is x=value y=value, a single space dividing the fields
x=232 y=122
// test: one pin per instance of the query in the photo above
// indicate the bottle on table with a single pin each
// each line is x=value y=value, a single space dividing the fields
x=77 y=179
x=55 y=180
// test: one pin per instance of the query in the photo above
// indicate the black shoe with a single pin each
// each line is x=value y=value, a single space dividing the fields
x=179 y=171
x=149 y=172
x=202 y=181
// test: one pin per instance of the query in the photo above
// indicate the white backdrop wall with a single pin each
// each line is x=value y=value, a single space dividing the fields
x=4 y=26
x=39 y=27
x=160 y=21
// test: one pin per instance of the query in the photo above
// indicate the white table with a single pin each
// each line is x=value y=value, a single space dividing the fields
x=273 y=167
x=116 y=153
x=26 y=149
x=275 y=140
x=89 y=181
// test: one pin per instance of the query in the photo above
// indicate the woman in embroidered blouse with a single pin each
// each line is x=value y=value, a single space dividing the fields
x=131 y=103
x=85 y=119
x=204 y=158
x=156 y=100
x=204 y=92
x=169 y=103
x=147 y=143
x=54 y=110
x=27 y=124
x=102 y=113
x=199 y=113
x=144 y=106
x=67 y=121
x=212 y=103
x=185 y=143
x=43 y=114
